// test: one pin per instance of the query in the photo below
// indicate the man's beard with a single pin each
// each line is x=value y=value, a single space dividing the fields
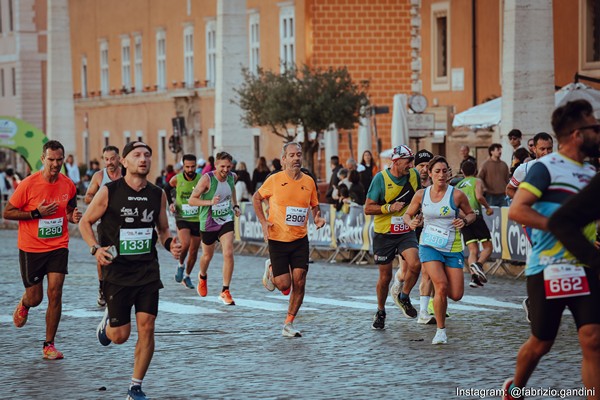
x=590 y=149
x=190 y=175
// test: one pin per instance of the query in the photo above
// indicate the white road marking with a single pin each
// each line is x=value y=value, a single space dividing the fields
x=256 y=304
x=184 y=309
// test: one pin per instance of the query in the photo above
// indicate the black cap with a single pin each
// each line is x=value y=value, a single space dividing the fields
x=423 y=156
x=133 y=145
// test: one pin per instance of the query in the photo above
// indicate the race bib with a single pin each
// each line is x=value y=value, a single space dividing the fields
x=434 y=236
x=135 y=241
x=188 y=211
x=295 y=216
x=398 y=226
x=50 y=228
x=221 y=210
x=565 y=280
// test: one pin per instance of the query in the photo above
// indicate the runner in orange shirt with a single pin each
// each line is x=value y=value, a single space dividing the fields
x=43 y=204
x=290 y=194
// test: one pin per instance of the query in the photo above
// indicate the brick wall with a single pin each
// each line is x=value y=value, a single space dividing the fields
x=371 y=38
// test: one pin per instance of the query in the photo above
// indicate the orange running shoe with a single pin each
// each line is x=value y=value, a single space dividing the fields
x=20 y=314
x=202 y=287
x=50 y=352
x=226 y=298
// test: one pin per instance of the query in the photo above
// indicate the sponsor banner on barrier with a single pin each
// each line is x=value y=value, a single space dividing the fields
x=249 y=228
x=508 y=237
x=351 y=230
x=355 y=231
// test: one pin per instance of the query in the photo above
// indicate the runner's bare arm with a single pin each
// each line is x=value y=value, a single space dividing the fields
x=235 y=206
x=173 y=181
x=164 y=234
x=462 y=202
x=413 y=209
x=94 y=212
x=510 y=190
x=73 y=214
x=481 y=198
x=201 y=188
x=13 y=213
x=318 y=220
x=94 y=187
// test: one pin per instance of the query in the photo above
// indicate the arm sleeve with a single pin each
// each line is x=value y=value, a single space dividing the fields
x=567 y=223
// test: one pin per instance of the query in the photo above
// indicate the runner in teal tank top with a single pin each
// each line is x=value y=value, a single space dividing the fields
x=186 y=218
x=215 y=197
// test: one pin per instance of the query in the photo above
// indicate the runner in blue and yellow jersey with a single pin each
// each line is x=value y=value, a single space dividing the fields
x=556 y=279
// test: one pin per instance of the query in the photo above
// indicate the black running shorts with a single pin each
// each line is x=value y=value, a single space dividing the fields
x=194 y=227
x=120 y=299
x=35 y=265
x=209 y=238
x=545 y=314
x=386 y=246
x=478 y=231
x=286 y=255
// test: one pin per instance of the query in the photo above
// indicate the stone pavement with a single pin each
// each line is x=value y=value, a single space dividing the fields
x=206 y=350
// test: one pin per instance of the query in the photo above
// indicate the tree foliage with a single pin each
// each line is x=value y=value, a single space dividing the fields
x=307 y=98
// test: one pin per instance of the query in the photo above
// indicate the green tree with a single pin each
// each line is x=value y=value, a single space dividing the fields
x=307 y=98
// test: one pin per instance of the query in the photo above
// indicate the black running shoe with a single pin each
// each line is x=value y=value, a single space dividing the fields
x=407 y=307
x=475 y=282
x=379 y=320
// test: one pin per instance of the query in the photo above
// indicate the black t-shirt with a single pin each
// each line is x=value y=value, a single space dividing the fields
x=129 y=224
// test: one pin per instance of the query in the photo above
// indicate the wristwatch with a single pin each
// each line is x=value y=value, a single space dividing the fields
x=93 y=249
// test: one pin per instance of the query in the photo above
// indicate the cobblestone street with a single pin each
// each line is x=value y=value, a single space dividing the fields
x=205 y=349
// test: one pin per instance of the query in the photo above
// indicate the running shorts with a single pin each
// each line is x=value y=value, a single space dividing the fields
x=545 y=314
x=454 y=259
x=478 y=231
x=209 y=237
x=194 y=227
x=35 y=265
x=120 y=300
x=286 y=255
x=386 y=246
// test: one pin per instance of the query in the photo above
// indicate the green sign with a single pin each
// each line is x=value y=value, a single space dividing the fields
x=24 y=138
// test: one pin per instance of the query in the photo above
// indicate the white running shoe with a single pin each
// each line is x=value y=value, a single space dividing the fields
x=440 y=337
x=426 y=319
x=395 y=292
x=267 y=275
x=289 y=331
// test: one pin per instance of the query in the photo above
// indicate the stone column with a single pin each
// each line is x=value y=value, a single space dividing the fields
x=30 y=102
x=364 y=138
x=232 y=53
x=59 y=99
x=527 y=70
x=332 y=142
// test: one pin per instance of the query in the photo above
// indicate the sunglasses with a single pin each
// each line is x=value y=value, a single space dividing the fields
x=595 y=128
